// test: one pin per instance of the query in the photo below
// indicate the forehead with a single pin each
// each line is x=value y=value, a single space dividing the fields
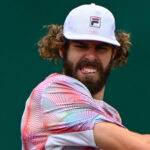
x=87 y=42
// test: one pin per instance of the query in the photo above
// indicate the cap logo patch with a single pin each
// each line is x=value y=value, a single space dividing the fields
x=95 y=22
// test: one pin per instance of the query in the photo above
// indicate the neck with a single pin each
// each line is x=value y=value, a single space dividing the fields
x=100 y=94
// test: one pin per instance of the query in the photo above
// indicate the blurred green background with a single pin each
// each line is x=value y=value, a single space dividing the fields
x=21 y=23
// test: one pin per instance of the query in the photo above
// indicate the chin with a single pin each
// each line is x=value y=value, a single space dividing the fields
x=87 y=78
x=91 y=77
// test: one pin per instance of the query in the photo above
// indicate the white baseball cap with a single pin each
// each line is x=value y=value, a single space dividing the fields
x=90 y=22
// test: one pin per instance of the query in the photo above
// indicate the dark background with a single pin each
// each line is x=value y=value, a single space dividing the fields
x=21 y=23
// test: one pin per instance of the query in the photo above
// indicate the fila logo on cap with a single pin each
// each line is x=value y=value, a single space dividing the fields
x=95 y=21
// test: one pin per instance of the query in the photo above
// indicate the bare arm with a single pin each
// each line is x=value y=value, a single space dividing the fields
x=109 y=136
x=147 y=138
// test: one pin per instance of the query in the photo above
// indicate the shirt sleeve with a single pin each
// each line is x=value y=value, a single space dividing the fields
x=69 y=113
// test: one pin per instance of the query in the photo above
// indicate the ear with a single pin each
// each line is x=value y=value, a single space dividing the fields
x=61 y=53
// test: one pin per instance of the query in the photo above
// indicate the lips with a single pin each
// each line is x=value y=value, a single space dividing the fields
x=88 y=70
x=85 y=66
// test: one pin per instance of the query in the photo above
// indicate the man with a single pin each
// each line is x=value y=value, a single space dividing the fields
x=66 y=111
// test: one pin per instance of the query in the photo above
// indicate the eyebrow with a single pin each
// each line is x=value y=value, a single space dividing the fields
x=102 y=44
x=78 y=42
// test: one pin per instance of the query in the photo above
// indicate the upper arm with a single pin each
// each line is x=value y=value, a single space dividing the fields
x=109 y=136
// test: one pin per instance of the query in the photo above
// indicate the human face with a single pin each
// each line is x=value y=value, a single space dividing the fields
x=90 y=62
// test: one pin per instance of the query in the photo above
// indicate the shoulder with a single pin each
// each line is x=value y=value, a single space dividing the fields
x=64 y=80
x=60 y=83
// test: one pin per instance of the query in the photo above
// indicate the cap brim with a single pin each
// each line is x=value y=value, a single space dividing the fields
x=91 y=38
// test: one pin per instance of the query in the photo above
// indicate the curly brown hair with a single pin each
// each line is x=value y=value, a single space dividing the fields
x=50 y=44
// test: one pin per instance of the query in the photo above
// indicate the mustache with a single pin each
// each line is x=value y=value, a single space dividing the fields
x=85 y=63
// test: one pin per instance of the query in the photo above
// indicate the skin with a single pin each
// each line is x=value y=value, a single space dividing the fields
x=108 y=136
x=91 y=50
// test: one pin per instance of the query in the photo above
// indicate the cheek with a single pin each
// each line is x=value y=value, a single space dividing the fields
x=73 y=56
x=105 y=59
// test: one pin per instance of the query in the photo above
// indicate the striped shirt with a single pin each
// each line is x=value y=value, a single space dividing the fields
x=60 y=114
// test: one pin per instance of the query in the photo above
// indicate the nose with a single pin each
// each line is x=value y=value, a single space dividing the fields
x=91 y=54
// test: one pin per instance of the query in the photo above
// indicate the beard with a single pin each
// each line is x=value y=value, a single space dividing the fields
x=93 y=84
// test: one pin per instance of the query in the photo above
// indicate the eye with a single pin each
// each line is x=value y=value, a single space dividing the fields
x=102 y=47
x=80 y=46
